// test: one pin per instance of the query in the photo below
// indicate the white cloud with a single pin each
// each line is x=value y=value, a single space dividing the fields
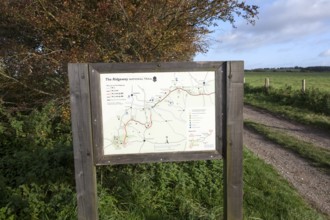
x=325 y=53
x=283 y=21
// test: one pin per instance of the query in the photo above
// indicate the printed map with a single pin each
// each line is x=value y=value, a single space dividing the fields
x=158 y=112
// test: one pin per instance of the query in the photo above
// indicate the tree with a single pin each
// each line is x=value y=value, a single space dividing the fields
x=37 y=40
x=39 y=37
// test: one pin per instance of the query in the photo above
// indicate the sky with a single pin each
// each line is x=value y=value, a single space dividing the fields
x=287 y=33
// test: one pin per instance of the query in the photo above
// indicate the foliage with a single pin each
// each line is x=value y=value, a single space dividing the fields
x=292 y=69
x=36 y=163
x=39 y=37
x=187 y=190
x=193 y=190
x=37 y=180
x=317 y=68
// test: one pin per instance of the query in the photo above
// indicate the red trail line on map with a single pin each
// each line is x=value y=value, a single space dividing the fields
x=150 y=125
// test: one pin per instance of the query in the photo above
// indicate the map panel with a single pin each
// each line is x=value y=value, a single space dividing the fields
x=156 y=112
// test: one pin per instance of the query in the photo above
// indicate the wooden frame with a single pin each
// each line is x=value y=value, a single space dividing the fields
x=95 y=70
x=87 y=141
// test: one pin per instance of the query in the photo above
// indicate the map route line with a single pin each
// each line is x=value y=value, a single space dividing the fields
x=169 y=93
x=149 y=125
x=146 y=125
x=185 y=90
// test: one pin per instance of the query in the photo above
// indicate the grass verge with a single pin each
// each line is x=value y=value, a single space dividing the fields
x=293 y=113
x=317 y=156
x=193 y=190
x=268 y=196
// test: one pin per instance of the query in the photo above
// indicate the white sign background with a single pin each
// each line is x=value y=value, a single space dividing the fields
x=157 y=112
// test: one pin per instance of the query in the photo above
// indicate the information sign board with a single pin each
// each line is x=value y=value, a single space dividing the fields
x=158 y=112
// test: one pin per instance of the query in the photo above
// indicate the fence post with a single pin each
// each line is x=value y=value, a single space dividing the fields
x=266 y=83
x=303 y=85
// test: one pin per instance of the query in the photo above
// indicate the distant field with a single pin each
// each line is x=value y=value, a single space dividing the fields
x=320 y=80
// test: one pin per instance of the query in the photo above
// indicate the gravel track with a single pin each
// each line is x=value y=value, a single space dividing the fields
x=310 y=182
x=318 y=137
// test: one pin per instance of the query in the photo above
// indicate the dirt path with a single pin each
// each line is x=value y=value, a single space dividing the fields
x=302 y=132
x=310 y=182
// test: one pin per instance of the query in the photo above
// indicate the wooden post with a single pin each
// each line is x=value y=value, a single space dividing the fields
x=85 y=170
x=266 y=83
x=233 y=153
x=303 y=85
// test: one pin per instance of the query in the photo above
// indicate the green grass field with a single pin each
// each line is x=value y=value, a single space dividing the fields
x=319 y=80
x=285 y=97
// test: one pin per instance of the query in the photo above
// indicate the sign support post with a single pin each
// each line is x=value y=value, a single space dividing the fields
x=85 y=170
x=88 y=128
x=233 y=152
